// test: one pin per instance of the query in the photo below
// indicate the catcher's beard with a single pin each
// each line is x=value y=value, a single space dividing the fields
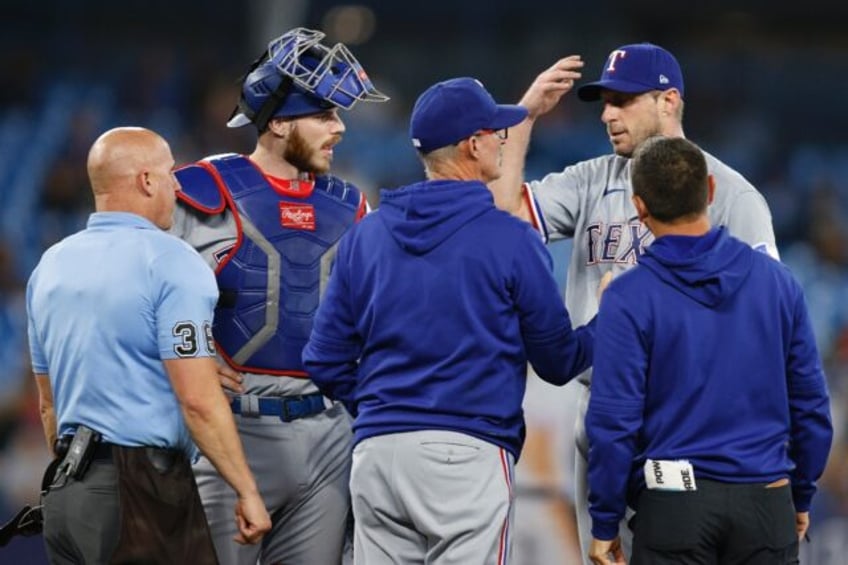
x=301 y=155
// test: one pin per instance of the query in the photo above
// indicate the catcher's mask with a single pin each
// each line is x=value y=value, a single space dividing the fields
x=297 y=76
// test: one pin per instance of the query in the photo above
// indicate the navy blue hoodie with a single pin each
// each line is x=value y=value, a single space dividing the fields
x=704 y=352
x=435 y=305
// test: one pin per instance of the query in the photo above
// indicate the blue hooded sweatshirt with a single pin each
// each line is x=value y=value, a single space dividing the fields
x=435 y=305
x=704 y=352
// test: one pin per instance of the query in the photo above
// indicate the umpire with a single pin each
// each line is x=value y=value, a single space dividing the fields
x=119 y=329
x=709 y=411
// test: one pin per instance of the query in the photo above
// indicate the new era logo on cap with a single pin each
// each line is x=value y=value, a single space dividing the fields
x=636 y=68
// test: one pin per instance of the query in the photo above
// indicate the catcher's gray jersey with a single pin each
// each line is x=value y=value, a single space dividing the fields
x=591 y=203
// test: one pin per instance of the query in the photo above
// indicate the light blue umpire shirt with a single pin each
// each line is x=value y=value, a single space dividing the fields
x=105 y=306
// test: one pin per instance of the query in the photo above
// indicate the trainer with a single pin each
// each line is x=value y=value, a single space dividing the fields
x=435 y=304
x=709 y=411
x=120 y=337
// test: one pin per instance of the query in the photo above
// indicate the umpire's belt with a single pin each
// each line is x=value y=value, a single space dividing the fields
x=102 y=450
x=287 y=408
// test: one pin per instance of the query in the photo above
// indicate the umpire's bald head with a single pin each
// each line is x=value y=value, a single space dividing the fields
x=130 y=170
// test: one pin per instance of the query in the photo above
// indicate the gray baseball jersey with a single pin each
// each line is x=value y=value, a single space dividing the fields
x=591 y=203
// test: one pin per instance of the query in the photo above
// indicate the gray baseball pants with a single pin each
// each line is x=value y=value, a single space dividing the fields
x=302 y=469
x=431 y=497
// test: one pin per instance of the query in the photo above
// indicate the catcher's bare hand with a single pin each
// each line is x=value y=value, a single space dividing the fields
x=230 y=379
x=551 y=85
x=252 y=519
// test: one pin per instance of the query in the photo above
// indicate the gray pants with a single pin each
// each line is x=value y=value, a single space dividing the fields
x=431 y=497
x=581 y=485
x=302 y=469
x=82 y=518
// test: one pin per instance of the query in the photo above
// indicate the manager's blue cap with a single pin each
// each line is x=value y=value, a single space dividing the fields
x=452 y=110
x=636 y=69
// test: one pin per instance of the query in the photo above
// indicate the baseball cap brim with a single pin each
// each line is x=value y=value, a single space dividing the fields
x=508 y=115
x=592 y=92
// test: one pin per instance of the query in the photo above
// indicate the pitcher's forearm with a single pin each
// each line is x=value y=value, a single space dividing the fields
x=507 y=189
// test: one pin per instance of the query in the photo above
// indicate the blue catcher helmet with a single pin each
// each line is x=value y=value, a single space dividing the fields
x=298 y=76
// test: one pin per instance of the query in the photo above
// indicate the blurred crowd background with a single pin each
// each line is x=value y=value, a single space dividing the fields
x=766 y=92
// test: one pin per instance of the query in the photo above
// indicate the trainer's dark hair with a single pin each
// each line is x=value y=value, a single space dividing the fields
x=670 y=176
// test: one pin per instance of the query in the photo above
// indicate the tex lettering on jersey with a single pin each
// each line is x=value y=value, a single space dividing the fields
x=616 y=242
x=270 y=281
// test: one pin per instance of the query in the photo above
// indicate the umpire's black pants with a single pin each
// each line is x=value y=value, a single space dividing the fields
x=720 y=523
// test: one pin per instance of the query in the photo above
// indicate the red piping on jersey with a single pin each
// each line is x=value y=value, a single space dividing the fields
x=503 y=543
x=531 y=207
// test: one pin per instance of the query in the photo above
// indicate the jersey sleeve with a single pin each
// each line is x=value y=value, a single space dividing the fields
x=180 y=221
x=537 y=218
x=37 y=357
x=749 y=219
x=558 y=197
x=187 y=294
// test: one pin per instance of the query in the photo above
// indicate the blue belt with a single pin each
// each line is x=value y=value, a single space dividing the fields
x=288 y=408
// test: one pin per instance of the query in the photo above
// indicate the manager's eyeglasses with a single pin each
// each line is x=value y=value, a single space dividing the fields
x=502 y=134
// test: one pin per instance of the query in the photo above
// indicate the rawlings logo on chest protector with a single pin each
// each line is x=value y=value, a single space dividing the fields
x=297 y=216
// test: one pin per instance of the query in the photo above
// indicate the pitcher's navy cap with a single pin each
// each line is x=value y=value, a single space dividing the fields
x=635 y=69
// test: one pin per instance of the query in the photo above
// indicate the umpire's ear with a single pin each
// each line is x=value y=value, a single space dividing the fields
x=144 y=184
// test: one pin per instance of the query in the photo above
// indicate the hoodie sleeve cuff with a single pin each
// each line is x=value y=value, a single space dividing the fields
x=604 y=531
x=802 y=499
